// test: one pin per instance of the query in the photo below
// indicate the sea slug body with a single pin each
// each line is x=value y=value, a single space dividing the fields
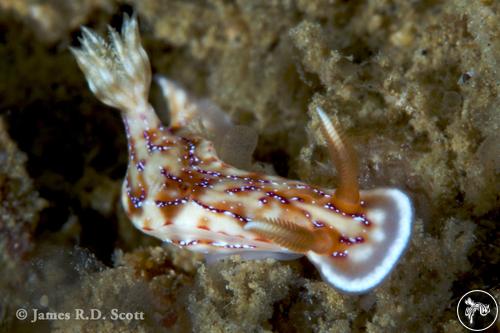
x=178 y=189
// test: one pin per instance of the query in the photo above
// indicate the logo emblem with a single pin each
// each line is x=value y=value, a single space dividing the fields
x=477 y=310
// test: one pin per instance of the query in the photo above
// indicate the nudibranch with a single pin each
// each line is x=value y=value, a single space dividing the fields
x=179 y=190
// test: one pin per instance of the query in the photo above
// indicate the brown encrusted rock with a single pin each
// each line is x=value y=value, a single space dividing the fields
x=319 y=308
x=421 y=285
x=238 y=296
x=425 y=91
x=19 y=203
x=147 y=283
x=52 y=20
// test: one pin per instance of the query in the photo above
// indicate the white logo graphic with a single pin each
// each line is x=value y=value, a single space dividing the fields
x=473 y=307
x=477 y=310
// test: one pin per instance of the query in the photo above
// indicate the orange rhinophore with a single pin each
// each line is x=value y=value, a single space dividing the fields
x=178 y=189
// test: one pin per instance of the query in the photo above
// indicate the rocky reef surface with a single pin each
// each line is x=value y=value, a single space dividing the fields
x=415 y=83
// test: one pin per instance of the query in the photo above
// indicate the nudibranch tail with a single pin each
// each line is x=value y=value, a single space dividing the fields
x=118 y=73
x=346 y=195
x=180 y=107
x=293 y=236
x=234 y=143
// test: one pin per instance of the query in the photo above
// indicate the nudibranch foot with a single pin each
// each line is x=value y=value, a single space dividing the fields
x=212 y=258
x=180 y=190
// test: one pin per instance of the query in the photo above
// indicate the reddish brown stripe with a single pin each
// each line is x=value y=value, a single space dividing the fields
x=136 y=196
x=169 y=205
